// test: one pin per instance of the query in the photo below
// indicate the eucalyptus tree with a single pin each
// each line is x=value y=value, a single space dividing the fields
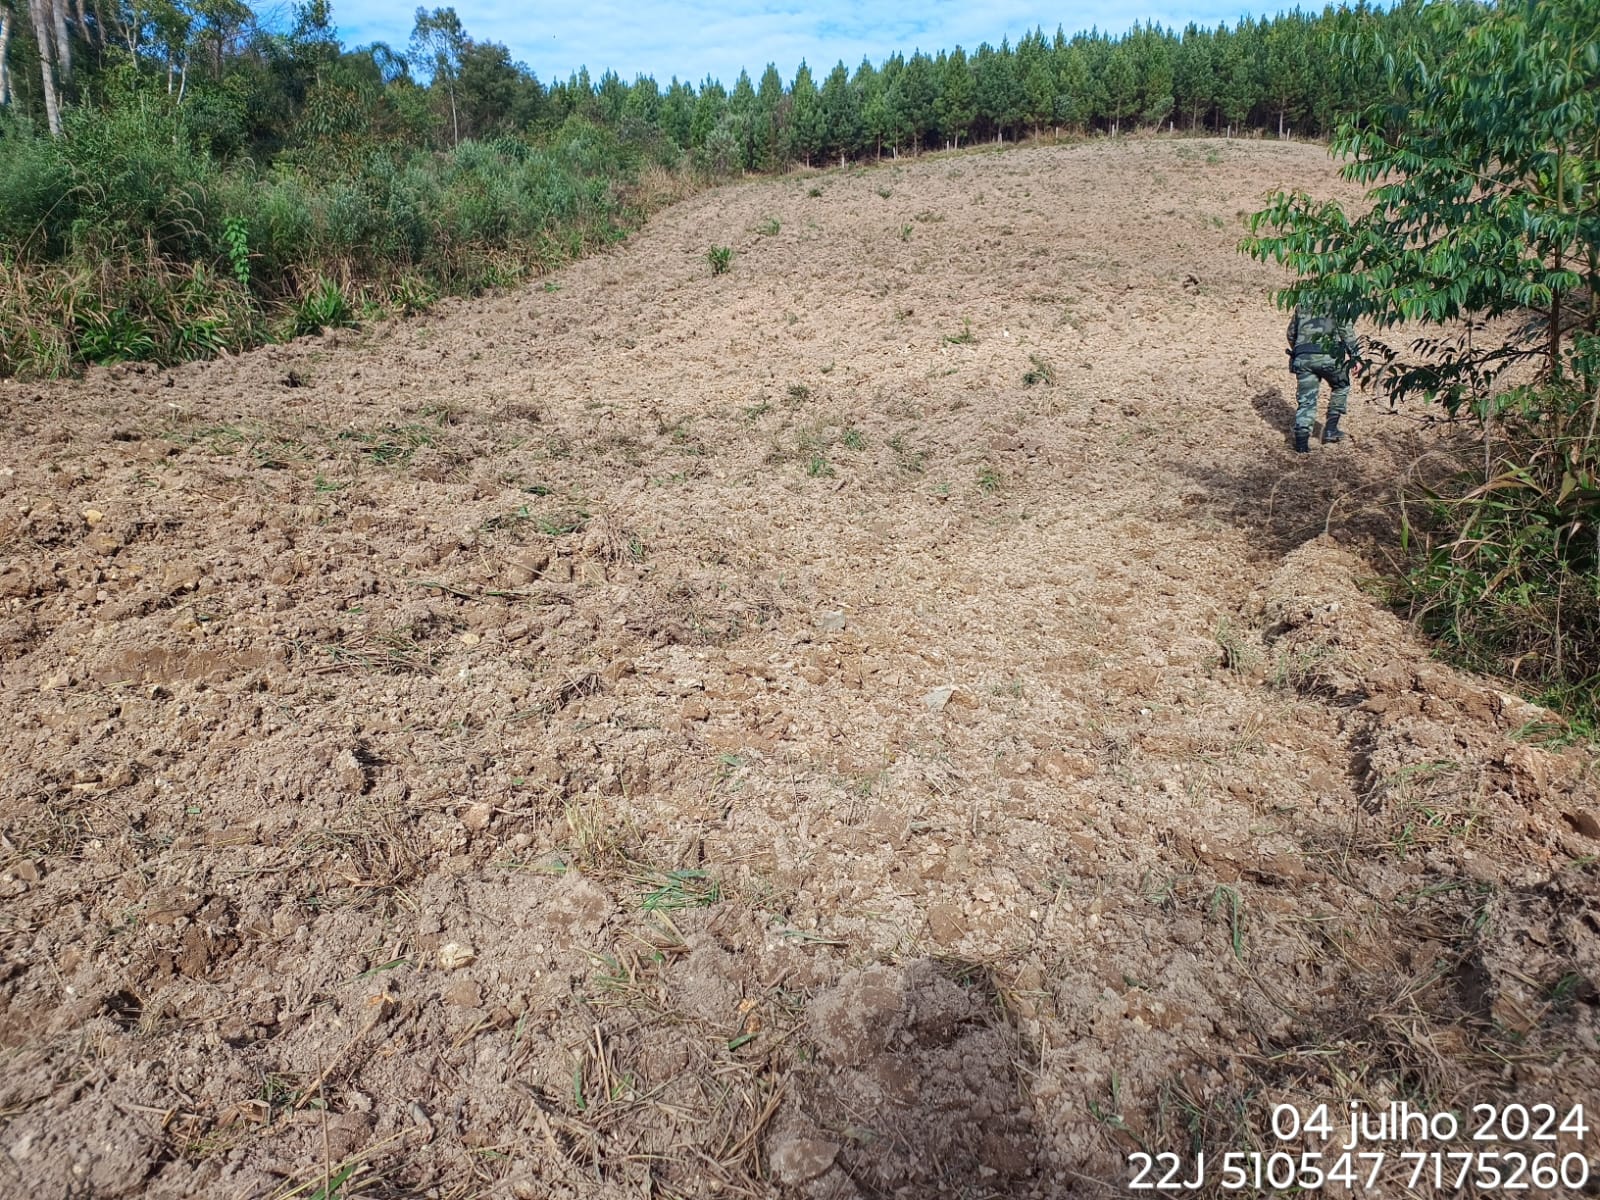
x=439 y=40
x=7 y=23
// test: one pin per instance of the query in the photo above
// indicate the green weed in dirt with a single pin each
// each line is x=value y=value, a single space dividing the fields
x=390 y=445
x=911 y=461
x=1226 y=902
x=965 y=338
x=1039 y=371
x=325 y=306
x=720 y=258
x=679 y=889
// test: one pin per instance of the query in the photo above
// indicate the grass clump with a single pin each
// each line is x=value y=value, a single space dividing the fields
x=721 y=259
x=325 y=306
x=1505 y=558
x=1039 y=371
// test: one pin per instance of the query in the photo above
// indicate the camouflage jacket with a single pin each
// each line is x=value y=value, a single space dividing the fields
x=1314 y=333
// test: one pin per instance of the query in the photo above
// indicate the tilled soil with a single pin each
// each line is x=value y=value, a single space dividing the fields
x=892 y=719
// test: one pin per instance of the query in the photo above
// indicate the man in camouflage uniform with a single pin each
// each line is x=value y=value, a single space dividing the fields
x=1321 y=350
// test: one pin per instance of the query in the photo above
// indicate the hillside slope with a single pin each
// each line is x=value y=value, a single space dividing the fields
x=891 y=719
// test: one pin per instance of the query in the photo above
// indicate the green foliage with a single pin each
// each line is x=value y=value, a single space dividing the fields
x=325 y=306
x=720 y=258
x=1484 y=183
x=236 y=243
x=818 y=466
x=199 y=267
x=116 y=336
x=1505 y=565
x=1483 y=177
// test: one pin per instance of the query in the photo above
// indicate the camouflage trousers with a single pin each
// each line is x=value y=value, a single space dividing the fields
x=1311 y=371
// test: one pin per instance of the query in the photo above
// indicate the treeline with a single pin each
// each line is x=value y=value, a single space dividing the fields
x=177 y=176
x=251 y=89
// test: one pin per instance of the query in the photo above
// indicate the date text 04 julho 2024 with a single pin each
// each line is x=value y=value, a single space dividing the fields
x=1356 y=1153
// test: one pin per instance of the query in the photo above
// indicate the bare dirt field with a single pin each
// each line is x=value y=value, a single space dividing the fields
x=892 y=719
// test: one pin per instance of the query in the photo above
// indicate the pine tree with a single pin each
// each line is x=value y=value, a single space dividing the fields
x=1038 y=80
x=1194 y=76
x=807 y=130
x=1154 y=60
x=1286 y=67
x=958 y=97
x=841 y=114
x=1236 y=69
x=1121 y=84
x=1074 y=87
x=918 y=92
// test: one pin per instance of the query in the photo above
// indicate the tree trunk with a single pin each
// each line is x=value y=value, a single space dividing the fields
x=1555 y=294
x=52 y=101
x=83 y=23
x=130 y=30
x=58 y=14
x=5 y=45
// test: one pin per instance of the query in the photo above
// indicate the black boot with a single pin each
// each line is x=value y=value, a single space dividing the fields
x=1330 y=429
x=1302 y=441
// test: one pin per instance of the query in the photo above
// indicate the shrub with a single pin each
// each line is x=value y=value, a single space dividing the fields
x=1506 y=564
x=325 y=306
x=127 y=239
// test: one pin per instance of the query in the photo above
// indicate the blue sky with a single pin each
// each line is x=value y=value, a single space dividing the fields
x=694 y=38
